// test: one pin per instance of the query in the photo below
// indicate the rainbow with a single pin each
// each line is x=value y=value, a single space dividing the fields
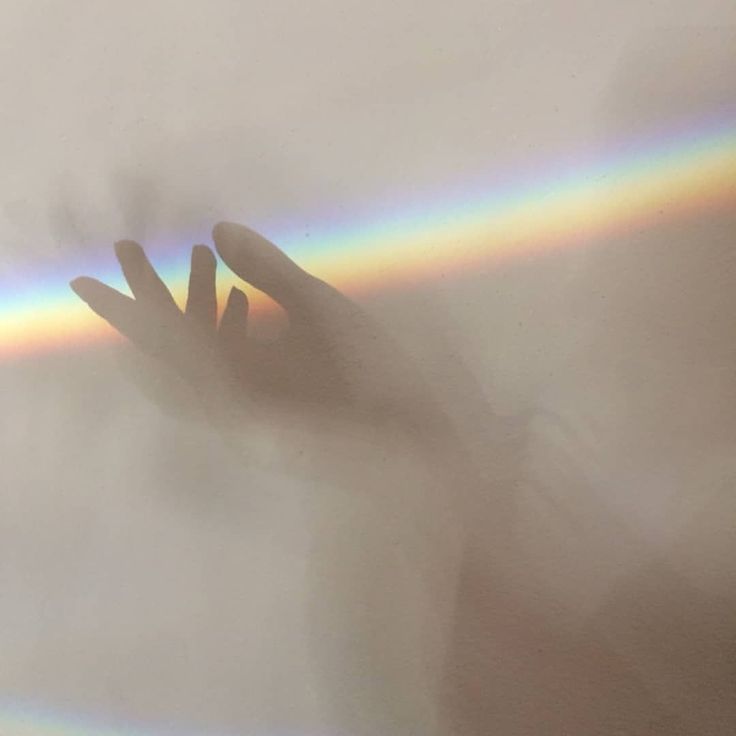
x=688 y=171
x=27 y=720
x=30 y=720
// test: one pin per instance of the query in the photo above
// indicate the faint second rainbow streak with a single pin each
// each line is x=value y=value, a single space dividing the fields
x=671 y=177
x=27 y=719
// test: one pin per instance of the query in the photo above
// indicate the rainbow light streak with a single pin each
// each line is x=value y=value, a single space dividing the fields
x=30 y=720
x=673 y=176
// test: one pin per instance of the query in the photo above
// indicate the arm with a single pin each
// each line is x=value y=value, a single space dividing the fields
x=368 y=440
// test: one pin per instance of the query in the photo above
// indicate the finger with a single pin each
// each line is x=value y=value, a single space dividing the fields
x=128 y=316
x=122 y=312
x=262 y=264
x=143 y=280
x=202 y=298
x=234 y=322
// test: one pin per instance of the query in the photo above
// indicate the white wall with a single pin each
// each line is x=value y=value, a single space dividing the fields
x=148 y=575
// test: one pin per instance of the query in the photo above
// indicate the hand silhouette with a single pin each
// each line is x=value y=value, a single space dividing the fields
x=332 y=361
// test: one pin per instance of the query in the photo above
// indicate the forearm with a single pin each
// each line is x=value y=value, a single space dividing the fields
x=383 y=574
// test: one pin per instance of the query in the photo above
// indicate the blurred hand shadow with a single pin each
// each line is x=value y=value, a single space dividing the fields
x=331 y=368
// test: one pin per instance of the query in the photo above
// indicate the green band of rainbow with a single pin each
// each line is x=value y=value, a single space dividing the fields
x=691 y=173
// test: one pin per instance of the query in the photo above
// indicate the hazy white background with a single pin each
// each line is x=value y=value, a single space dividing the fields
x=143 y=574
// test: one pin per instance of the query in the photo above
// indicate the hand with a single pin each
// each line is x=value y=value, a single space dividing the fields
x=331 y=363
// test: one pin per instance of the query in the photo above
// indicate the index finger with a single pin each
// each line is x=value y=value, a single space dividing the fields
x=142 y=278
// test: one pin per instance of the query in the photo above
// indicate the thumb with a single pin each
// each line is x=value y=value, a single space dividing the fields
x=259 y=262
